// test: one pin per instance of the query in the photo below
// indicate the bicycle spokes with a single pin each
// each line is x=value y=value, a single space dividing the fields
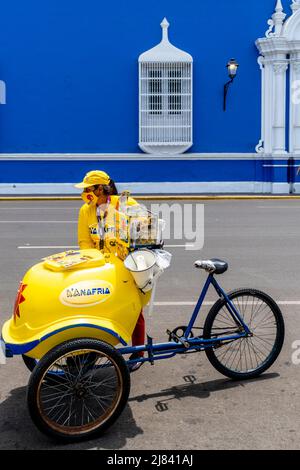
x=248 y=352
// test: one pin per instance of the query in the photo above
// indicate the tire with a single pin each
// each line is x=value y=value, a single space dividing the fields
x=264 y=318
x=87 y=381
x=29 y=362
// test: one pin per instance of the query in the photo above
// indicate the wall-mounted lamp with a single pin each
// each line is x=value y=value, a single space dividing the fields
x=232 y=67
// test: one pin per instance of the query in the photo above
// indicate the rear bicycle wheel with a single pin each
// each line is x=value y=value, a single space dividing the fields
x=245 y=358
x=78 y=390
x=30 y=363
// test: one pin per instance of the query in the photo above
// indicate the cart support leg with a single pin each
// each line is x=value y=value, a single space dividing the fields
x=150 y=349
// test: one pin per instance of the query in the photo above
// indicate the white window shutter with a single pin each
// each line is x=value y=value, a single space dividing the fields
x=165 y=98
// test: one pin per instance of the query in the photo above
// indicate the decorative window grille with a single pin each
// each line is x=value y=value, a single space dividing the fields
x=165 y=77
x=155 y=92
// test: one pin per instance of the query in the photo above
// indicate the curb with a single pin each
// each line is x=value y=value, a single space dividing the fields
x=160 y=198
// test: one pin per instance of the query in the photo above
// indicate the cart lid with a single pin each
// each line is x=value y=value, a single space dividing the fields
x=72 y=260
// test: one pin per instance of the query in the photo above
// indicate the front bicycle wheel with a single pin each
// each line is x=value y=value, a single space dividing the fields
x=78 y=390
x=248 y=357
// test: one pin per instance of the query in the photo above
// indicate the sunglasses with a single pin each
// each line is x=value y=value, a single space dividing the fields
x=90 y=189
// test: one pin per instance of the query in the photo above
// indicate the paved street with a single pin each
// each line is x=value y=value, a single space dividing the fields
x=182 y=403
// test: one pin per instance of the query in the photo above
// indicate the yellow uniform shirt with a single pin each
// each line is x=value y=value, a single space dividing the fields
x=88 y=233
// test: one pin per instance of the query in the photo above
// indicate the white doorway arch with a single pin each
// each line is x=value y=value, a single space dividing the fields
x=280 y=52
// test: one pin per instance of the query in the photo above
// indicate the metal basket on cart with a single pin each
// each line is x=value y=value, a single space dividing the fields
x=139 y=228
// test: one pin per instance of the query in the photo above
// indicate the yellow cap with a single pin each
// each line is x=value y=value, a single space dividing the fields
x=94 y=178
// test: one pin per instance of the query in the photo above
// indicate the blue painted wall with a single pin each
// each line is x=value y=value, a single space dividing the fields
x=72 y=79
x=143 y=171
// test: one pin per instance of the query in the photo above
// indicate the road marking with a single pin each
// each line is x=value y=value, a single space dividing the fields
x=192 y=304
x=187 y=245
x=278 y=207
x=178 y=197
x=31 y=247
x=38 y=221
x=75 y=208
x=180 y=304
x=28 y=247
x=38 y=208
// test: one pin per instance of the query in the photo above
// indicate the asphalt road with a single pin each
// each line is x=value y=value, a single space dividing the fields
x=182 y=403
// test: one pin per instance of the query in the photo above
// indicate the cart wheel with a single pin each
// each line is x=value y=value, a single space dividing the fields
x=29 y=362
x=249 y=357
x=78 y=389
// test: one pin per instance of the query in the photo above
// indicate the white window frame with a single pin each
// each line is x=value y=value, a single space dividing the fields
x=165 y=130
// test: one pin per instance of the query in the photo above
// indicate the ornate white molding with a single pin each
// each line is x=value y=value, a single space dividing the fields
x=296 y=66
x=279 y=49
x=260 y=147
x=280 y=67
x=269 y=33
x=261 y=62
x=276 y=22
x=295 y=5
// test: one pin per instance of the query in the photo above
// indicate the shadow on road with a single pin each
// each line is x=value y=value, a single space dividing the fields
x=18 y=432
x=200 y=390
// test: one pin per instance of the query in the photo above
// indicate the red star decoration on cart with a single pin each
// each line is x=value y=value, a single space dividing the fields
x=19 y=299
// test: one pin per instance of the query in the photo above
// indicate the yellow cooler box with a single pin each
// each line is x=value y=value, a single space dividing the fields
x=73 y=294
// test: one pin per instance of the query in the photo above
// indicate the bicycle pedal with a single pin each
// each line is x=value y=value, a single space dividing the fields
x=177 y=339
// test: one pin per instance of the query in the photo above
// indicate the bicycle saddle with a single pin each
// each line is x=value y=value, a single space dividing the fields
x=213 y=266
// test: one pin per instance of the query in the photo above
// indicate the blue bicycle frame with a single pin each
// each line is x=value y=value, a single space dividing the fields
x=170 y=349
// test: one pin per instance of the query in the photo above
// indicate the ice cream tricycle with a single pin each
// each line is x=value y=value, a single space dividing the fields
x=73 y=319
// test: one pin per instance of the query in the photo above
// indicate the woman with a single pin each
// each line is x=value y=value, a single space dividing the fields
x=98 y=215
